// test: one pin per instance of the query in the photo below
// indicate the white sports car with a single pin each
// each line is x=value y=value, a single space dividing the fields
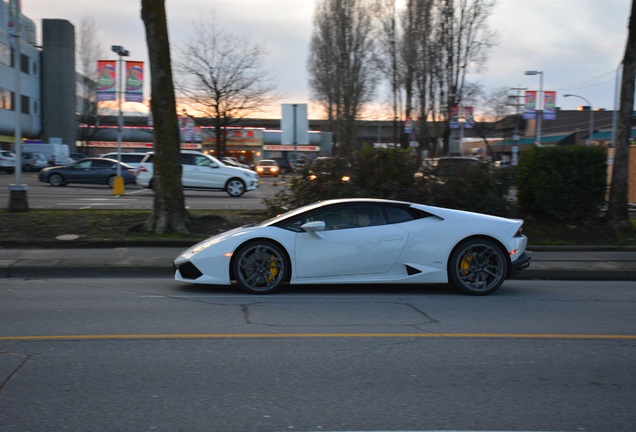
x=360 y=241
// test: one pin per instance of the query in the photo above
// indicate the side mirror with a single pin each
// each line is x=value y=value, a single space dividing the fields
x=314 y=227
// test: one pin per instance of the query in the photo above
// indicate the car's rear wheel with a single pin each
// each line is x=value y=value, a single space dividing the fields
x=56 y=180
x=111 y=181
x=477 y=267
x=260 y=267
x=235 y=187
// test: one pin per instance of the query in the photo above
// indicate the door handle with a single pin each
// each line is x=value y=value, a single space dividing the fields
x=394 y=238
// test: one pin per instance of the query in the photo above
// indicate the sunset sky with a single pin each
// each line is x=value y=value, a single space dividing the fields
x=578 y=44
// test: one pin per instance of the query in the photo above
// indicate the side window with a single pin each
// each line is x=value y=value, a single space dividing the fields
x=102 y=164
x=201 y=160
x=187 y=159
x=83 y=164
x=398 y=215
x=366 y=215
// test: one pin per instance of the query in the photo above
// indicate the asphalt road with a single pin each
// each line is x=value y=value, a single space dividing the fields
x=153 y=354
x=76 y=196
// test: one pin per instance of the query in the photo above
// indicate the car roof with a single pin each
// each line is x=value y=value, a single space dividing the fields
x=123 y=153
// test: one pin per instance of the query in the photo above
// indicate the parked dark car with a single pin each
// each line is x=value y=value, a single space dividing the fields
x=76 y=156
x=284 y=165
x=451 y=166
x=88 y=170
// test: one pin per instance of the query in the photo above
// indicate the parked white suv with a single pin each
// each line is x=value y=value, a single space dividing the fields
x=131 y=158
x=7 y=161
x=204 y=172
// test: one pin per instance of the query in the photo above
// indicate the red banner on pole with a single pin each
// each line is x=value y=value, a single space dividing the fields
x=106 y=80
x=530 y=110
x=134 y=81
x=549 y=105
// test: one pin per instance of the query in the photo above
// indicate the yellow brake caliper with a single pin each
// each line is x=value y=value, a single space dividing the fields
x=273 y=269
x=465 y=264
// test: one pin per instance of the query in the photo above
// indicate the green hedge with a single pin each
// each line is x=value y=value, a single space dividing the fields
x=390 y=174
x=567 y=183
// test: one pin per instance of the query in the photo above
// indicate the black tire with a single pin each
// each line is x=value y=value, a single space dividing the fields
x=28 y=168
x=56 y=180
x=260 y=267
x=110 y=181
x=477 y=267
x=235 y=187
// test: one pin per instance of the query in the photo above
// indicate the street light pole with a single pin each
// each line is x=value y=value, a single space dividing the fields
x=539 y=103
x=18 y=201
x=118 y=187
x=591 y=132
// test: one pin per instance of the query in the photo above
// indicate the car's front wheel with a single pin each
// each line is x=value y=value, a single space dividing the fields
x=235 y=187
x=56 y=180
x=260 y=267
x=477 y=267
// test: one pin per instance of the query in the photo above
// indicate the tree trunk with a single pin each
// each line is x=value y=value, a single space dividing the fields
x=169 y=213
x=618 y=211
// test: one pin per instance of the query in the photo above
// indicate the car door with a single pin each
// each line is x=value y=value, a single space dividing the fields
x=201 y=171
x=344 y=249
x=208 y=173
x=79 y=172
x=98 y=171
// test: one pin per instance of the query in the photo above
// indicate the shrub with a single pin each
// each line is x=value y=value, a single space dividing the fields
x=567 y=183
x=390 y=174
x=478 y=188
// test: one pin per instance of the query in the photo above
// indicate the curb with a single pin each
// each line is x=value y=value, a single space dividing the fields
x=73 y=270
x=31 y=271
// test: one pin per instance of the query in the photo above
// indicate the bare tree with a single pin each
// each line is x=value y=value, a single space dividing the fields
x=169 y=213
x=496 y=112
x=418 y=58
x=89 y=51
x=618 y=210
x=388 y=57
x=341 y=67
x=443 y=40
x=221 y=75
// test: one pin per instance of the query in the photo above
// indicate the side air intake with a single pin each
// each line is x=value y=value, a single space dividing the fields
x=412 y=271
x=189 y=271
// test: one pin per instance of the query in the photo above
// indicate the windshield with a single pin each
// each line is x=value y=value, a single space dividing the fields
x=290 y=213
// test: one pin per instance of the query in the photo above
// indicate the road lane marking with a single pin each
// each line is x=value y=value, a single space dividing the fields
x=321 y=335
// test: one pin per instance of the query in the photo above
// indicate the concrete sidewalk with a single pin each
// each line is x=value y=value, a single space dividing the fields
x=547 y=263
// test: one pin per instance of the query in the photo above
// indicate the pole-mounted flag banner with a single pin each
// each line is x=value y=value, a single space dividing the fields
x=13 y=17
x=453 y=120
x=469 y=117
x=549 y=105
x=134 y=81
x=13 y=22
x=106 y=80
x=530 y=110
